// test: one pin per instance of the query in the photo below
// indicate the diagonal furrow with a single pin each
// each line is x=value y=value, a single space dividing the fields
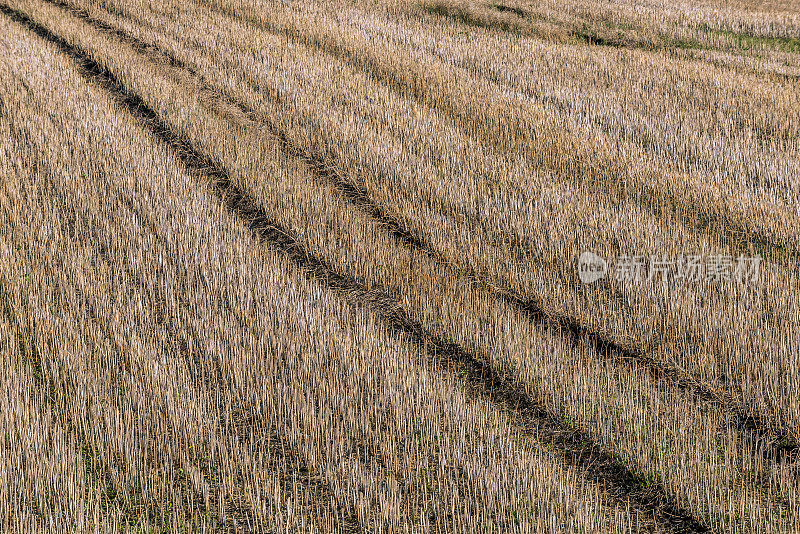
x=226 y=503
x=716 y=224
x=575 y=446
x=777 y=445
x=592 y=34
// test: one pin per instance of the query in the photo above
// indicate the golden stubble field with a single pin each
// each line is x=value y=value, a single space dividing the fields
x=313 y=266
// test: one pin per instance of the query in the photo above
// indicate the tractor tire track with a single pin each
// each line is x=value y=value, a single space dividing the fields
x=318 y=161
x=576 y=446
x=235 y=514
x=778 y=446
x=717 y=226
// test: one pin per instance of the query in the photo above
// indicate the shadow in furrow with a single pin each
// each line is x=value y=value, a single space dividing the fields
x=575 y=446
x=238 y=516
x=717 y=225
x=778 y=446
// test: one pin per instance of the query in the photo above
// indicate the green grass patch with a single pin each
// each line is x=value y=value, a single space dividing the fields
x=754 y=42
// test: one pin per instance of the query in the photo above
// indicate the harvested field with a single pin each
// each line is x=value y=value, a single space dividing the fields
x=319 y=266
